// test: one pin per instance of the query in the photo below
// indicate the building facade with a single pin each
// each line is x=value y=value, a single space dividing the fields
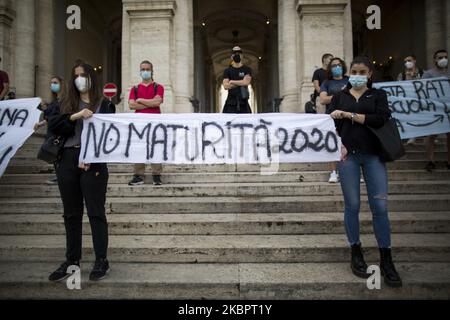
x=189 y=43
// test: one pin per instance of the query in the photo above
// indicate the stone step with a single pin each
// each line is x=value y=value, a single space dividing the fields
x=231 y=177
x=30 y=158
x=246 y=281
x=248 y=204
x=223 y=224
x=37 y=140
x=228 y=248
x=441 y=147
x=41 y=167
x=264 y=189
x=30 y=153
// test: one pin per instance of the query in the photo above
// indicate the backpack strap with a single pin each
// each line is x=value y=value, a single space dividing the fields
x=135 y=88
x=155 y=87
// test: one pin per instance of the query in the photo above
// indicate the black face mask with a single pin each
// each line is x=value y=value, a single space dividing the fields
x=237 y=58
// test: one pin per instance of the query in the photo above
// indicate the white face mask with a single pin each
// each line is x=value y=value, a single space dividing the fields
x=82 y=84
x=409 y=65
x=443 y=63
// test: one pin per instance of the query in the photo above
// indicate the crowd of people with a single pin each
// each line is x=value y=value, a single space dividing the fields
x=332 y=78
x=345 y=93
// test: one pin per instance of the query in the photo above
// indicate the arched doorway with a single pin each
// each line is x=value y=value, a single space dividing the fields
x=218 y=26
x=402 y=33
x=98 y=42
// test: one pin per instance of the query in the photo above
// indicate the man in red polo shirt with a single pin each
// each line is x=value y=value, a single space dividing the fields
x=146 y=98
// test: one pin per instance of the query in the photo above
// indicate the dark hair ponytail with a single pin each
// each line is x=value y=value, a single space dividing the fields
x=368 y=63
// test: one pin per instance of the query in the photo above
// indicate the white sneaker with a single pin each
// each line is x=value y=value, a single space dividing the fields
x=333 y=177
x=361 y=180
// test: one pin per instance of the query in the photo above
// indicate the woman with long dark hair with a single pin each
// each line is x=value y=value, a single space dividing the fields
x=81 y=183
x=355 y=109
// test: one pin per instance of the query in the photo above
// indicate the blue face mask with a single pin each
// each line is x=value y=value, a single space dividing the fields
x=146 y=75
x=358 y=81
x=55 y=87
x=337 y=71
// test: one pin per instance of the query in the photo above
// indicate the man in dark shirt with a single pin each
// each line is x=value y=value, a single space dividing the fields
x=4 y=83
x=236 y=80
x=321 y=74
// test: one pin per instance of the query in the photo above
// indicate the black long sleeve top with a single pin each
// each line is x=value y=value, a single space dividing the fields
x=60 y=123
x=358 y=138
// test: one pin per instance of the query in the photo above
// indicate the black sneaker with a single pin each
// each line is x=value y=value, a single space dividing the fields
x=100 y=270
x=136 y=181
x=157 y=180
x=61 y=273
x=430 y=166
x=53 y=180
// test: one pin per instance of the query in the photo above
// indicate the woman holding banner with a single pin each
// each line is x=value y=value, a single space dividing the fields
x=81 y=182
x=355 y=109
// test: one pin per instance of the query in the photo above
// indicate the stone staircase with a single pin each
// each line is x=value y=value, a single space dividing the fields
x=226 y=232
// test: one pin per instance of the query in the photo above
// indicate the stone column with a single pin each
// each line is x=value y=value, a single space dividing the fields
x=24 y=49
x=184 y=56
x=45 y=44
x=325 y=27
x=288 y=55
x=7 y=15
x=147 y=34
x=199 y=69
x=447 y=21
x=434 y=29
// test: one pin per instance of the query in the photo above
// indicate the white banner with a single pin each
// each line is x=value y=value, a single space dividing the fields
x=209 y=138
x=17 y=120
x=421 y=107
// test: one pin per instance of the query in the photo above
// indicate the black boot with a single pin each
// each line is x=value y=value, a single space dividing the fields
x=391 y=277
x=358 y=265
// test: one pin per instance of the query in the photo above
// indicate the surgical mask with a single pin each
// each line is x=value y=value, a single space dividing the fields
x=443 y=63
x=146 y=75
x=55 y=87
x=337 y=71
x=358 y=81
x=409 y=64
x=237 y=58
x=82 y=84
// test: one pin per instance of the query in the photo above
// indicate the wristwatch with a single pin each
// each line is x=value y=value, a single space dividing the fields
x=353 y=116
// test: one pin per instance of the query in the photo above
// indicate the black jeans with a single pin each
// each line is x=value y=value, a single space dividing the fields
x=235 y=105
x=77 y=186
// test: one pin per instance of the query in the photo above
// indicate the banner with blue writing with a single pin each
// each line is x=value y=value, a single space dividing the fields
x=421 y=107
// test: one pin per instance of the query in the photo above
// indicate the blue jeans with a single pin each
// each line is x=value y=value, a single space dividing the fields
x=375 y=176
